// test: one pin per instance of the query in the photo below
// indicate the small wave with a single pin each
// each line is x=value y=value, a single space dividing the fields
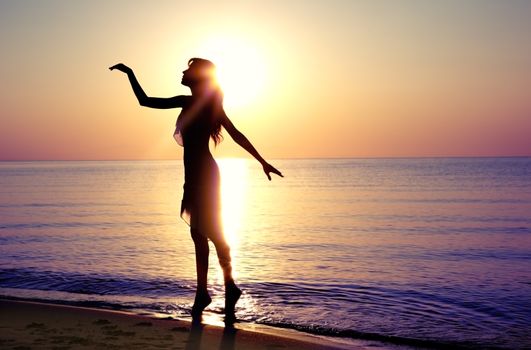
x=348 y=333
x=81 y=303
x=97 y=284
x=75 y=224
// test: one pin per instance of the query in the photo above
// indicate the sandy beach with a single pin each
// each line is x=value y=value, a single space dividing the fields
x=30 y=325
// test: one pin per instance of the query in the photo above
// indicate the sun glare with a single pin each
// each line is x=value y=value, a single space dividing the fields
x=233 y=185
x=241 y=69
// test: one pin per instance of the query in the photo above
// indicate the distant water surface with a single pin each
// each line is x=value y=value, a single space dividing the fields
x=413 y=251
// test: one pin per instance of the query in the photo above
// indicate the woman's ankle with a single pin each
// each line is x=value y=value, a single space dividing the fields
x=201 y=293
x=230 y=284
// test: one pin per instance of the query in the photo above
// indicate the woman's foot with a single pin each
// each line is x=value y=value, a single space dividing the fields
x=232 y=294
x=202 y=300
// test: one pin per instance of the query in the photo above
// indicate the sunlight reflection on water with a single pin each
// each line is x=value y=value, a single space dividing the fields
x=233 y=190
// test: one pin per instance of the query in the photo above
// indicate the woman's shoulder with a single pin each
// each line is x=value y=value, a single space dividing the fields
x=184 y=100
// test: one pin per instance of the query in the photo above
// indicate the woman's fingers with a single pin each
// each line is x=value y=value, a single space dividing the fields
x=271 y=169
x=275 y=170
x=121 y=67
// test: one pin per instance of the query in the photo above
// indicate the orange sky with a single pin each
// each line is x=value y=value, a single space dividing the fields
x=324 y=78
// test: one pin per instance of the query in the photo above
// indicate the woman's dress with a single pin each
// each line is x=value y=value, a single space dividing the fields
x=200 y=206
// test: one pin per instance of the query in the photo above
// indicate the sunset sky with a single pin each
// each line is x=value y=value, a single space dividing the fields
x=303 y=78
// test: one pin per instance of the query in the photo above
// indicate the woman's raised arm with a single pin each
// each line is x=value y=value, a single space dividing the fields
x=145 y=100
x=243 y=142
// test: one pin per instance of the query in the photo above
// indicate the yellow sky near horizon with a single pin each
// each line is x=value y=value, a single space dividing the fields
x=327 y=79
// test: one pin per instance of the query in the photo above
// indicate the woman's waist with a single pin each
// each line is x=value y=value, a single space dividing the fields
x=201 y=176
x=198 y=157
x=199 y=162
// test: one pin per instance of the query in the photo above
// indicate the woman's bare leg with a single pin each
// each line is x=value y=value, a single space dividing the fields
x=232 y=292
x=202 y=299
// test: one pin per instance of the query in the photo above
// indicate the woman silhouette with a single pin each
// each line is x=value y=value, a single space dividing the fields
x=201 y=118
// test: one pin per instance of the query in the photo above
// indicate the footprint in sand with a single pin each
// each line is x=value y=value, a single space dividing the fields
x=180 y=329
x=34 y=325
x=119 y=333
x=109 y=328
x=21 y=348
x=101 y=322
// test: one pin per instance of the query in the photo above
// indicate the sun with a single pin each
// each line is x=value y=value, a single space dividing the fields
x=241 y=69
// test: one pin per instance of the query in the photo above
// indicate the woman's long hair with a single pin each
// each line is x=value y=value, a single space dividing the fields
x=207 y=73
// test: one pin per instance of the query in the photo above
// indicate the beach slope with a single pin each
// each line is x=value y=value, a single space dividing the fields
x=30 y=325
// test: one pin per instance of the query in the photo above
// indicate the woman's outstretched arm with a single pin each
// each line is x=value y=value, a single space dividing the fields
x=145 y=100
x=241 y=140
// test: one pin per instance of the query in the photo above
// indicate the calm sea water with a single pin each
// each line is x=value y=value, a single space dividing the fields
x=413 y=251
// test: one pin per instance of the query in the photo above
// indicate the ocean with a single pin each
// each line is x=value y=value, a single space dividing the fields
x=429 y=252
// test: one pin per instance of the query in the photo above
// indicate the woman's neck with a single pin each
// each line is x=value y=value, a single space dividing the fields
x=201 y=89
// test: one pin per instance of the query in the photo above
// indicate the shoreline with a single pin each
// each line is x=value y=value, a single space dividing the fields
x=30 y=325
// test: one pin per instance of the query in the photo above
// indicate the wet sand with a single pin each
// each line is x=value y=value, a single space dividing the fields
x=30 y=325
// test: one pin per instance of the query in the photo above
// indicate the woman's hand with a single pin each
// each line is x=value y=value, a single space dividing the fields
x=268 y=168
x=122 y=68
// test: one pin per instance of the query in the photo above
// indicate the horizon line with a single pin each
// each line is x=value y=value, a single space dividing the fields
x=274 y=158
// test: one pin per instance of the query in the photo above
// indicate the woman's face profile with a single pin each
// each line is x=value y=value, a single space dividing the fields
x=195 y=73
x=187 y=79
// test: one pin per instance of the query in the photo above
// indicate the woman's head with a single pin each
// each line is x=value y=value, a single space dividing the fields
x=201 y=78
x=199 y=71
